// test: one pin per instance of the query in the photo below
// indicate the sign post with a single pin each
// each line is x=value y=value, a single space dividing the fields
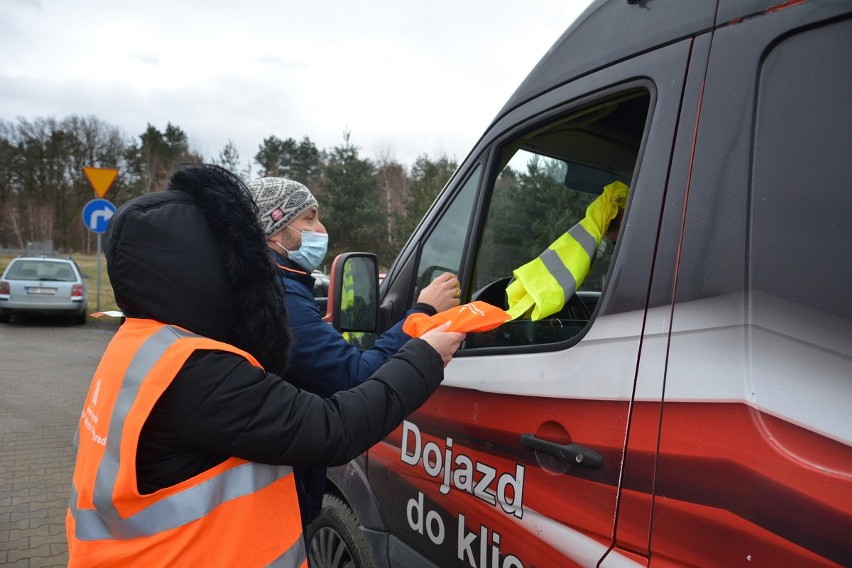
x=98 y=212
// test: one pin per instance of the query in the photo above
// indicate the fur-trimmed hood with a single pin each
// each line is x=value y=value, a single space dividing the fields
x=194 y=256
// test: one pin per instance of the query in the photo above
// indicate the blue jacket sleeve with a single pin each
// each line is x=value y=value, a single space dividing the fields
x=320 y=359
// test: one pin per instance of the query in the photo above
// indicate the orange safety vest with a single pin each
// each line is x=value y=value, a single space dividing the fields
x=473 y=317
x=238 y=513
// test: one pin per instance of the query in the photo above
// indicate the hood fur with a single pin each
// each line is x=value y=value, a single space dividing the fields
x=194 y=256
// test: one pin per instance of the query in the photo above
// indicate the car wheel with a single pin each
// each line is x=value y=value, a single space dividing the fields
x=4 y=318
x=335 y=541
x=80 y=319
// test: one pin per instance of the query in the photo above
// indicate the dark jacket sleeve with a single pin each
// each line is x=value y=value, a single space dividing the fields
x=245 y=412
x=321 y=361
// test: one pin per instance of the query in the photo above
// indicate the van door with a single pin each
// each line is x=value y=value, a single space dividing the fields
x=755 y=464
x=517 y=459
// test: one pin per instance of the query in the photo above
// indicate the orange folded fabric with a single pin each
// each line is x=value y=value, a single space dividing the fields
x=472 y=317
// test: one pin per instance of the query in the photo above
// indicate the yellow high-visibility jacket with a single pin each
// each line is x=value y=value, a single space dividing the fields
x=543 y=285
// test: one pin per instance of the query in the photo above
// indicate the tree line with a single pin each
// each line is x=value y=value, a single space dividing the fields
x=369 y=205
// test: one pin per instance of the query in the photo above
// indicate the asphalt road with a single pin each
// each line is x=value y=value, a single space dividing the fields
x=45 y=369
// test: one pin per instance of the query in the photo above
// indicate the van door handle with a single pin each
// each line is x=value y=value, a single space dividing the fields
x=573 y=453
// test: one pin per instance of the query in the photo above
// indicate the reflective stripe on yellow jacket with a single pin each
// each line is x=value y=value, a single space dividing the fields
x=238 y=513
x=347 y=295
x=542 y=286
x=347 y=289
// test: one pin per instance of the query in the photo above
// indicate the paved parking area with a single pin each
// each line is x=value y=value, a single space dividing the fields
x=45 y=369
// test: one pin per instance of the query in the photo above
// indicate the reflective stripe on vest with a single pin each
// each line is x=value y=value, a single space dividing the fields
x=173 y=509
x=166 y=514
x=347 y=297
x=347 y=289
x=542 y=286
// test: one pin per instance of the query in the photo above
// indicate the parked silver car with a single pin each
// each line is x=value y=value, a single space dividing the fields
x=43 y=286
x=321 y=282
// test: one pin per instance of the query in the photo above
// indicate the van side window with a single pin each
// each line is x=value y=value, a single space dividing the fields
x=442 y=250
x=547 y=180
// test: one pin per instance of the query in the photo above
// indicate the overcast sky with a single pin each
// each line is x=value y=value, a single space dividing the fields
x=404 y=78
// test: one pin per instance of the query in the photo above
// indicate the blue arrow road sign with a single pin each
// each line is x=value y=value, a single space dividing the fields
x=96 y=215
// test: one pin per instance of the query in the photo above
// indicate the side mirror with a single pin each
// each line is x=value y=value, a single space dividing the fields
x=354 y=292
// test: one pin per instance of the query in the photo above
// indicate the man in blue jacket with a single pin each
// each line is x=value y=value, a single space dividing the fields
x=321 y=361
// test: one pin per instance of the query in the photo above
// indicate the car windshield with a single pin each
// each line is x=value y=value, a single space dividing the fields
x=44 y=270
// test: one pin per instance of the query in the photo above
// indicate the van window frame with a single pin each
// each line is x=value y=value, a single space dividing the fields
x=399 y=290
x=496 y=150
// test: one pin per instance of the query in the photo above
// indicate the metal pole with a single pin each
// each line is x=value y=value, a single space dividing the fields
x=98 y=301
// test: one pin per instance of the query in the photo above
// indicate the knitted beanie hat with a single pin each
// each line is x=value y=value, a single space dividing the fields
x=279 y=201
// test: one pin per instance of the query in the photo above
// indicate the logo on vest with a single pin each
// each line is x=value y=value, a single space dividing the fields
x=475 y=310
x=95 y=394
x=89 y=418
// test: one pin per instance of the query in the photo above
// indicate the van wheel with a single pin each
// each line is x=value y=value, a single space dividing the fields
x=335 y=541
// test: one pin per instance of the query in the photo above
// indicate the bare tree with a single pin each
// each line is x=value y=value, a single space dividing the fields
x=393 y=181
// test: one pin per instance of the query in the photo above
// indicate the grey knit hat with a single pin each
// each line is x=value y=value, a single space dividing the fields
x=279 y=201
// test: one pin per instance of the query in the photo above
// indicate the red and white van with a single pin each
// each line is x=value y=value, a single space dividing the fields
x=692 y=404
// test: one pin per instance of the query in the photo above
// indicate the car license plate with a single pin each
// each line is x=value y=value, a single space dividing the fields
x=49 y=291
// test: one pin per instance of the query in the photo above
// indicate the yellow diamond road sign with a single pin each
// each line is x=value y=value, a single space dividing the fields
x=101 y=179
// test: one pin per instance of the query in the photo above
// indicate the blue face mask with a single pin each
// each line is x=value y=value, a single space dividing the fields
x=312 y=251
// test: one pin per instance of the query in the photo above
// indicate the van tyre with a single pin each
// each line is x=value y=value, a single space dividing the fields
x=334 y=539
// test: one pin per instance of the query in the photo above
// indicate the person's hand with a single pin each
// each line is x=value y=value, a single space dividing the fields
x=442 y=293
x=614 y=228
x=444 y=342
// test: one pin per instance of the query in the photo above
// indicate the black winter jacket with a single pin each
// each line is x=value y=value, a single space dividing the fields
x=194 y=256
x=220 y=405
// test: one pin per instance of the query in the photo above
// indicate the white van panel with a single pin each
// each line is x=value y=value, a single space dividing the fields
x=602 y=368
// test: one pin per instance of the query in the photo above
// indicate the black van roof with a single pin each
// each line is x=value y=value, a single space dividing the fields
x=612 y=30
